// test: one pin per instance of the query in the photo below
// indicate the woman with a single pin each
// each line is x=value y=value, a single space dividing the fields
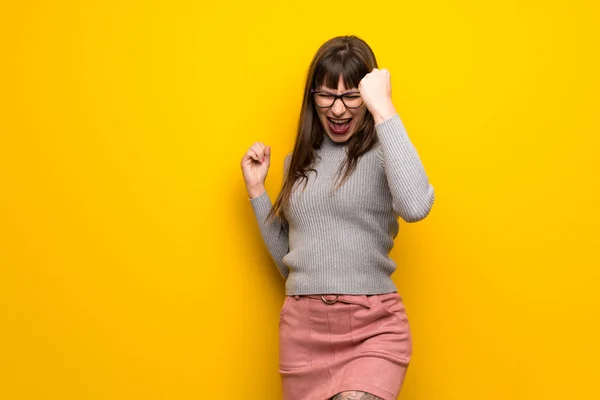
x=343 y=331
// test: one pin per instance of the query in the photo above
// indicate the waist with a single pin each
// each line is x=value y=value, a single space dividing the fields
x=361 y=299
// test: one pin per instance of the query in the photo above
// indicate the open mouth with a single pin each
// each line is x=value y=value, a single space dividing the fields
x=339 y=126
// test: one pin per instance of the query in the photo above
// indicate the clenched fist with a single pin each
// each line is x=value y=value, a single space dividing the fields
x=376 y=91
x=255 y=166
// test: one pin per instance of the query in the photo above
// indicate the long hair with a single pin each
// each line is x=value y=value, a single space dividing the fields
x=351 y=58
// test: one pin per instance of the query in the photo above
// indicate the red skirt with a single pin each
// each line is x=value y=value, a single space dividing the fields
x=357 y=342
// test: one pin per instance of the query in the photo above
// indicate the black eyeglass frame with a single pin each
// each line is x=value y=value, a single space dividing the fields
x=335 y=97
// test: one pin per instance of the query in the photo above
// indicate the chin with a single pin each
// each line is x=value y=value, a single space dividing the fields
x=340 y=139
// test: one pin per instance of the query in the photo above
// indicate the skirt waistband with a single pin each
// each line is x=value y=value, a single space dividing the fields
x=330 y=299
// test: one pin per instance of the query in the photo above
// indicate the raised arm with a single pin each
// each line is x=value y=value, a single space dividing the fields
x=275 y=231
x=412 y=194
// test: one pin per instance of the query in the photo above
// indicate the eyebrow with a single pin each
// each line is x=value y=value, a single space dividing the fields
x=352 y=91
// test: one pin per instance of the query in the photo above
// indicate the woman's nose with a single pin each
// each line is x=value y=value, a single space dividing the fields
x=338 y=107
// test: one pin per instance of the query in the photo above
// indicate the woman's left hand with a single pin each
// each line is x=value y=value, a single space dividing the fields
x=376 y=91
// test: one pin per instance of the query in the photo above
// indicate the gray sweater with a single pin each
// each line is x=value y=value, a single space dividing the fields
x=338 y=242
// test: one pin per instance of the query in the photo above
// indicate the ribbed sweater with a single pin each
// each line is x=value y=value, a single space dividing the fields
x=338 y=241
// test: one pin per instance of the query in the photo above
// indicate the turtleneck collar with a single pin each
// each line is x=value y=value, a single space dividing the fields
x=330 y=144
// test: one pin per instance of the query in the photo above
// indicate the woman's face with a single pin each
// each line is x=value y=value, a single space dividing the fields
x=340 y=122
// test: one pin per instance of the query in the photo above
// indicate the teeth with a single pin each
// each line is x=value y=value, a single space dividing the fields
x=340 y=121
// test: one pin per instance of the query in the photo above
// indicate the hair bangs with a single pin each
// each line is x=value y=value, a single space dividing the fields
x=349 y=68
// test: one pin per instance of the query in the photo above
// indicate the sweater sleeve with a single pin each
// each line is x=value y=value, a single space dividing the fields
x=275 y=231
x=412 y=194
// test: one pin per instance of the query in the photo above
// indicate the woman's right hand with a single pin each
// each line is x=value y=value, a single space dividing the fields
x=255 y=166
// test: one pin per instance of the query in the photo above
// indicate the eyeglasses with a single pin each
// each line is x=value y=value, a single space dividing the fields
x=326 y=99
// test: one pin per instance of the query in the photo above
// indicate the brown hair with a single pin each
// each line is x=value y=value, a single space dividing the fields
x=351 y=58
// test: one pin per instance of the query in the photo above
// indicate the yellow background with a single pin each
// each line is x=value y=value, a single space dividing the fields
x=131 y=266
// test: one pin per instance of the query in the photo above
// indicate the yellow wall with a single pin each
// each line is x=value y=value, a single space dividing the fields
x=130 y=263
